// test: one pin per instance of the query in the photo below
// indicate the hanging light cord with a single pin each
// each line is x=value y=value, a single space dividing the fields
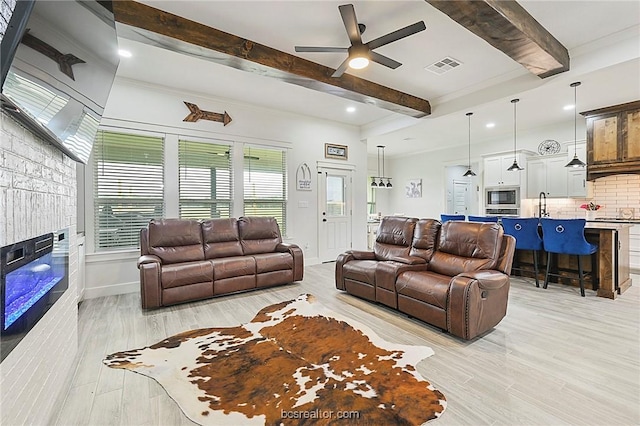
x=469 y=157
x=575 y=119
x=515 y=101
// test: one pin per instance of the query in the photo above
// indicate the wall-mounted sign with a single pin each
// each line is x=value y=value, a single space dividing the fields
x=303 y=178
x=336 y=151
x=200 y=114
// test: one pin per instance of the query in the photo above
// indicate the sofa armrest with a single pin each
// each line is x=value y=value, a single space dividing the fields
x=148 y=258
x=487 y=279
x=150 y=284
x=340 y=261
x=298 y=259
x=362 y=255
x=477 y=302
x=409 y=260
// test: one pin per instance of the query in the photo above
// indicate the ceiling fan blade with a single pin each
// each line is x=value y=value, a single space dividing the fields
x=397 y=35
x=341 y=69
x=383 y=60
x=320 y=49
x=348 y=14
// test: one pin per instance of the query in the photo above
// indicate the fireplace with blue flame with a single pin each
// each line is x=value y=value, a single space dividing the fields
x=34 y=274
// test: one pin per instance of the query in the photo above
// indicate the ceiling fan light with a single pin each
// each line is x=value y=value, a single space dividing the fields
x=358 y=62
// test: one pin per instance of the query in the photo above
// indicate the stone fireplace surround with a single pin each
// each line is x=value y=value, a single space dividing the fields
x=38 y=195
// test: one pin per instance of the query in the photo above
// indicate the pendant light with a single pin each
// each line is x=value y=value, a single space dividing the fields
x=381 y=177
x=576 y=161
x=514 y=167
x=469 y=172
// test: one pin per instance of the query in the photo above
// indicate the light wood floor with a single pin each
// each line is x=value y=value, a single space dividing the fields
x=555 y=359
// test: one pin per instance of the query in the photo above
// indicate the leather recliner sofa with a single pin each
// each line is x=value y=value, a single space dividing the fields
x=184 y=260
x=454 y=276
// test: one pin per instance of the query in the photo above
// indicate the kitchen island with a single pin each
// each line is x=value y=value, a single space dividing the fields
x=611 y=264
x=613 y=256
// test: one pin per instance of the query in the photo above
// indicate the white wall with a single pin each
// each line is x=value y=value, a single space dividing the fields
x=139 y=106
x=431 y=167
x=37 y=196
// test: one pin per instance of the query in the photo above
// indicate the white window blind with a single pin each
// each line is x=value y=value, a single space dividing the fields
x=205 y=180
x=265 y=183
x=128 y=187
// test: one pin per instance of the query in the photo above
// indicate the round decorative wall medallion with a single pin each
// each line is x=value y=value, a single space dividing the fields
x=548 y=147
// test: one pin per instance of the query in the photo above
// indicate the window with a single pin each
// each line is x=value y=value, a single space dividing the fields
x=205 y=180
x=265 y=183
x=128 y=187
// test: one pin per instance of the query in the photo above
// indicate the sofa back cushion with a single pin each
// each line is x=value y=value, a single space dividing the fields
x=467 y=246
x=221 y=238
x=425 y=238
x=175 y=240
x=258 y=234
x=394 y=237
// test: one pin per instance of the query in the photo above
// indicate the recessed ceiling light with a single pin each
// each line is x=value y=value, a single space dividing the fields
x=490 y=125
x=568 y=107
x=351 y=109
x=124 y=53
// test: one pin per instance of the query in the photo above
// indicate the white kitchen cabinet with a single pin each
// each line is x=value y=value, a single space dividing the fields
x=548 y=175
x=577 y=185
x=496 y=174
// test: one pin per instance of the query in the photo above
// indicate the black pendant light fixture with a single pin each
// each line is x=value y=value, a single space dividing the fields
x=381 y=177
x=469 y=172
x=514 y=167
x=576 y=161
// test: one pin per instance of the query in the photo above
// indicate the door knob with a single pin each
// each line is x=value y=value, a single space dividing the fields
x=324 y=220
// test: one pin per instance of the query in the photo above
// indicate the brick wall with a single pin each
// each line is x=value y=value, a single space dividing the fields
x=611 y=192
x=38 y=195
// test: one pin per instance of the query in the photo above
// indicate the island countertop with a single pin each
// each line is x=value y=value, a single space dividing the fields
x=607 y=225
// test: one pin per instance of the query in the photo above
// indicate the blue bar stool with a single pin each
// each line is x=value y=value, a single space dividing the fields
x=566 y=236
x=483 y=218
x=525 y=231
x=446 y=217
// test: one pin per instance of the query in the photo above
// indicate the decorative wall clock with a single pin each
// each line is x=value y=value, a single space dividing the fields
x=548 y=147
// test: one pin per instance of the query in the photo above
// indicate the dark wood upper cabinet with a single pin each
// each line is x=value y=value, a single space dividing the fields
x=613 y=140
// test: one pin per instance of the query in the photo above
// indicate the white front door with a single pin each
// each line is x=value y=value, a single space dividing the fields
x=334 y=227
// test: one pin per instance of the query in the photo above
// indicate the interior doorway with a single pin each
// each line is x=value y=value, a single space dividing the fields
x=335 y=215
x=462 y=193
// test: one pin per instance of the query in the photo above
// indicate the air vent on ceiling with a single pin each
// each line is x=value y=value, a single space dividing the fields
x=443 y=65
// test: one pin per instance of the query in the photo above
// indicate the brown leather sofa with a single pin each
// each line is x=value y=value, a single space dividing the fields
x=454 y=276
x=184 y=260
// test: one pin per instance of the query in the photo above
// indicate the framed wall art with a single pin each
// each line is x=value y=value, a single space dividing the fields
x=341 y=152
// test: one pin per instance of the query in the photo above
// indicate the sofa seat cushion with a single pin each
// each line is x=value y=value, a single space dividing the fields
x=361 y=270
x=426 y=286
x=181 y=274
x=228 y=267
x=269 y=262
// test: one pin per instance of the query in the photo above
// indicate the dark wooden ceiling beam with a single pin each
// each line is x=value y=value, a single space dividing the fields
x=507 y=26
x=156 y=27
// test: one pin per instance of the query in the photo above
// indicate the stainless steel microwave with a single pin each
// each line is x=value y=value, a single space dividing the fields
x=502 y=197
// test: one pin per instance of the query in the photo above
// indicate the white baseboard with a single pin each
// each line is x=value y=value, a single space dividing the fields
x=111 y=290
x=311 y=261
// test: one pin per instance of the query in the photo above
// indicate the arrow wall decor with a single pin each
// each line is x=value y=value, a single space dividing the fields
x=65 y=61
x=198 y=114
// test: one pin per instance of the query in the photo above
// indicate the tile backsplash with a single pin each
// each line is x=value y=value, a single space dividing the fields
x=613 y=193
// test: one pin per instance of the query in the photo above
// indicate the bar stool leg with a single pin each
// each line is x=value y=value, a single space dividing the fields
x=535 y=266
x=546 y=275
x=595 y=276
x=581 y=276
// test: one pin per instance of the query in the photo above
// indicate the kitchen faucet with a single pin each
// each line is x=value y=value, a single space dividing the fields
x=542 y=211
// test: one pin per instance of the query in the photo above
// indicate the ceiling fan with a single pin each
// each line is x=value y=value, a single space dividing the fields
x=359 y=54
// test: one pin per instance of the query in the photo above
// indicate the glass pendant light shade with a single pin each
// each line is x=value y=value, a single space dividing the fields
x=514 y=167
x=469 y=172
x=576 y=162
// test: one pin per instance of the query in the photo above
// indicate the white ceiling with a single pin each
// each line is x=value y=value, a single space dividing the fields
x=596 y=33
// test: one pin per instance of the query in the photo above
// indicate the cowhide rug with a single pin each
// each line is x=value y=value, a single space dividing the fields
x=294 y=363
